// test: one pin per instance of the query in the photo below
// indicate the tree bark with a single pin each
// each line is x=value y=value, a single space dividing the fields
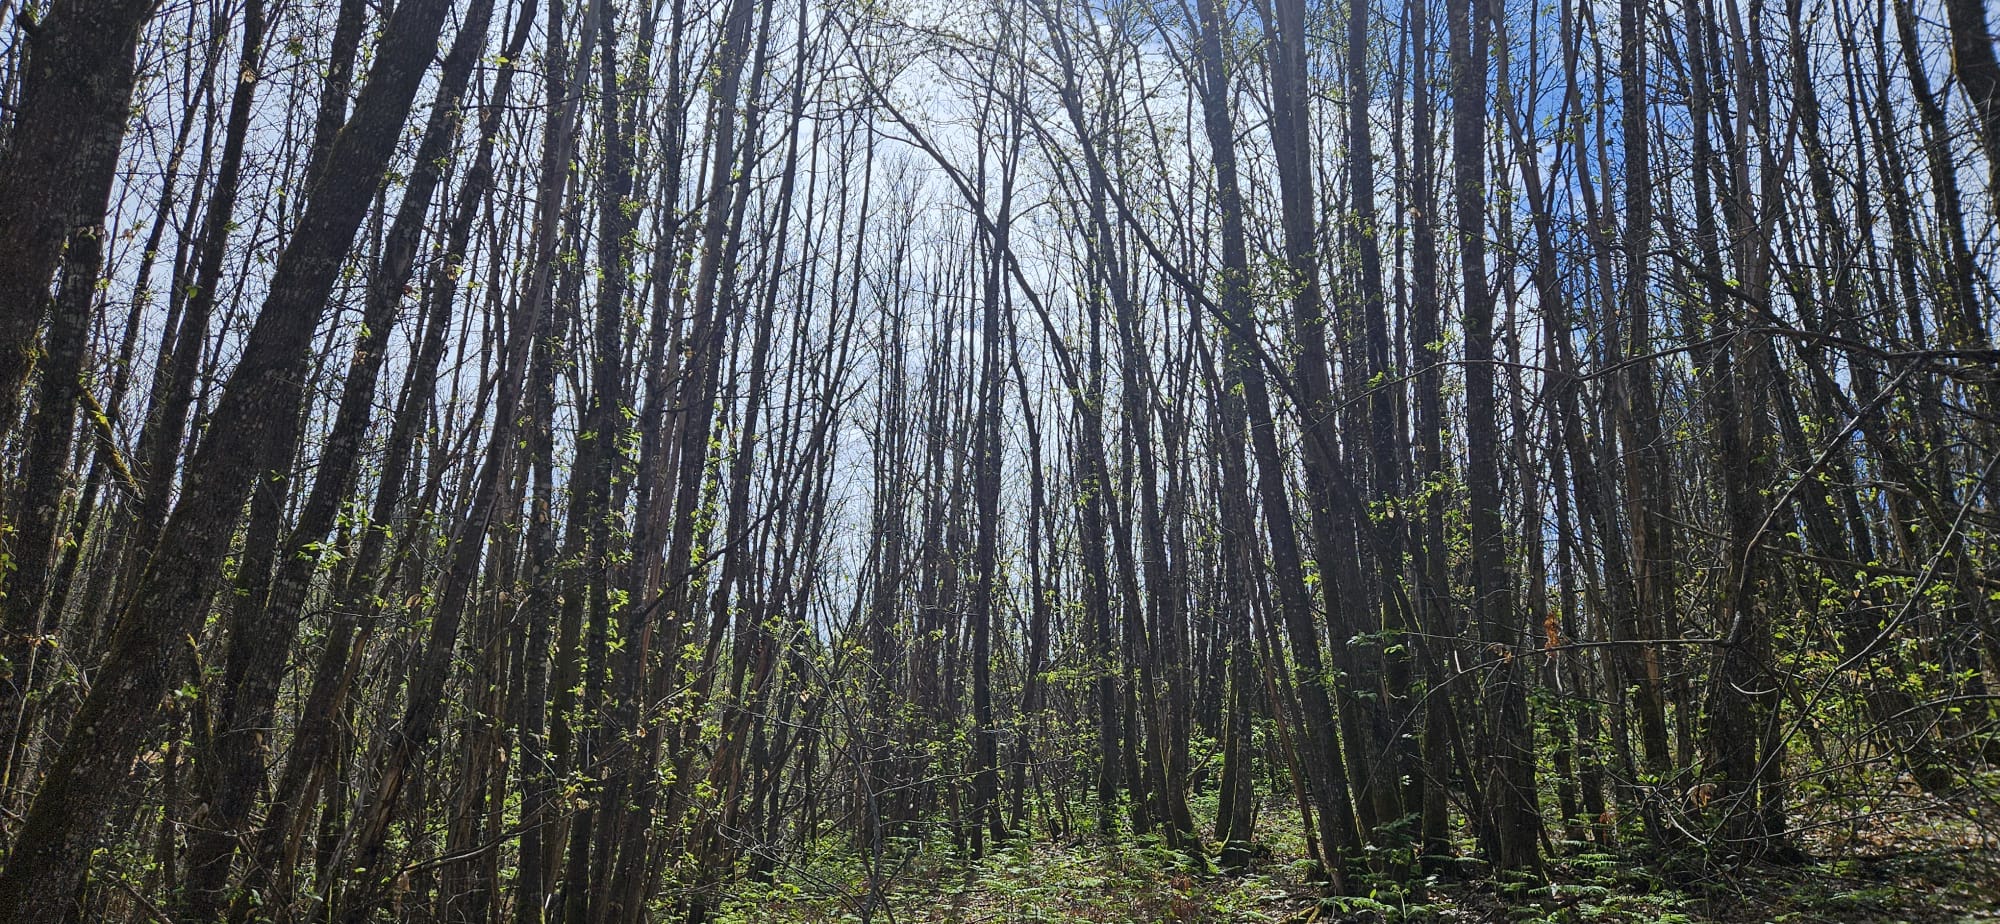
x=76 y=93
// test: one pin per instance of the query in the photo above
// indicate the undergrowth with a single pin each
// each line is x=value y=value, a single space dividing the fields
x=1923 y=878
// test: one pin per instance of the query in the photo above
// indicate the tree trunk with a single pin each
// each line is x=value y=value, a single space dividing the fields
x=76 y=93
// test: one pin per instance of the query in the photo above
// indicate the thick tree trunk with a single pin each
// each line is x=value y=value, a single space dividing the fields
x=1979 y=75
x=26 y=612
x=76 y=93
x=262 y=626
x=147 y=654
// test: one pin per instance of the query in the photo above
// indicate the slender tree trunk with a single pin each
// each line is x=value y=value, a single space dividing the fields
x=1511 y=832
x=1325 y=772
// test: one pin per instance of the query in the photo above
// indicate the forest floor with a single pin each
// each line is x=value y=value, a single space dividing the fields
x=1903 y=869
